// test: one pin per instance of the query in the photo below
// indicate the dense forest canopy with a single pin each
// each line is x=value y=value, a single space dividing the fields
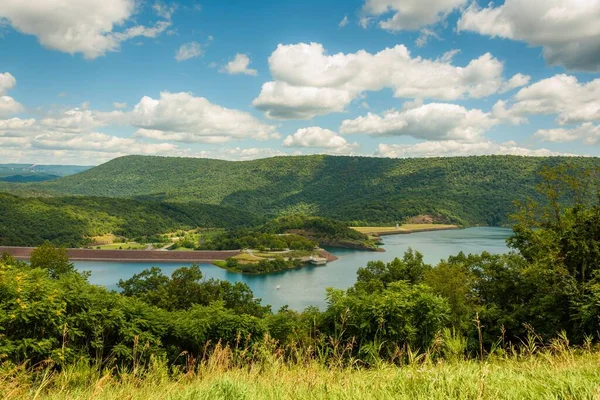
x=71 y=221
x=360 y=190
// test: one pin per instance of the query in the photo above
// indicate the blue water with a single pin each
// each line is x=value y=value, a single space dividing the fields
x=306 y=287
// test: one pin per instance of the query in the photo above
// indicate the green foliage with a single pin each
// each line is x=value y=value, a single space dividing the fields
x=465 y=190
x=70 y=221
x=253 y=239
x=186 y=288
x=399 y=314
x=266 y=266
x=379 y=275
x=56 y=261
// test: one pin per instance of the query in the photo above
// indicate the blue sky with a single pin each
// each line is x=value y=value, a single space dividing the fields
x=82 y=81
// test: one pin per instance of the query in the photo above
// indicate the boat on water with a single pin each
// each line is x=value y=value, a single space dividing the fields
x=277 y=287
x=317 y=260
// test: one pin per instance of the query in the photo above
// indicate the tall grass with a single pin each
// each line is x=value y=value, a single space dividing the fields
x=531 y=370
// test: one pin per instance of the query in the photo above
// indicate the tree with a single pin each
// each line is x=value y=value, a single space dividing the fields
x=410 y=268
x=55 y=260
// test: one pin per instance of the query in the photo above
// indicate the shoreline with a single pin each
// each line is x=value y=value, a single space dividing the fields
x=402 y=231
x=204 y=256
x=411 y=231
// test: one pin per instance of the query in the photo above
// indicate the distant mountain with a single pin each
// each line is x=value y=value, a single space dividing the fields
x=23 y=173
x=463 y=190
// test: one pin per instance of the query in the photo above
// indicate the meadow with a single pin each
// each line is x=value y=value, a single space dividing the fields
x=556 y=371
x=404 y=228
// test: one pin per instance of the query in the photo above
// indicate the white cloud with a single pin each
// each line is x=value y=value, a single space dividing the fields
x=7 y=82
x=344 y=22
x=564 y=95
x=72 y=121
x=100 y=142
x=309 y=82
x=16 y=126
x=189 y=50
x=240 y=154
x=59 y=139
x=434 y=121
x=410 y=14
x=279 y=100
x=239 y=65
x=163 y=10
x=516 y=81
x=568 y=30
x=316 y=137
x=8 y=105
x=183 y=117
x=587 y=132
x=452 y=148
x=424 y=37
x=82 y=26
x=364 y=22
x=118 y=105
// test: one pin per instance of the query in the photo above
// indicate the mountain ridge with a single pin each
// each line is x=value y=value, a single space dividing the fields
x=474 y=190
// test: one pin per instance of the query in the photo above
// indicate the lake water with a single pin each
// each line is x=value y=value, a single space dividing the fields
x=306 y=286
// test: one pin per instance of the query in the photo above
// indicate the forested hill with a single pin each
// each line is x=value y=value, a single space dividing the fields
x=467 y=190
x=69 y=221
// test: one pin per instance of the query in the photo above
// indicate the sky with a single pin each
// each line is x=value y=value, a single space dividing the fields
x=86 y=81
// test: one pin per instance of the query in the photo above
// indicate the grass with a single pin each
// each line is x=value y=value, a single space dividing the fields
x=369 y=230
x=123 y=246
x=247 y=258
x=287 y=254
x=568 y=374
x=183 y=249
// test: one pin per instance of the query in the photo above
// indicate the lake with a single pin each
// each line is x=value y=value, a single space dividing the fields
x=306 y=286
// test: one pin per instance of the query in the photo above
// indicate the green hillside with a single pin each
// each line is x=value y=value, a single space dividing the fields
x=68 y=221
x=465 y=190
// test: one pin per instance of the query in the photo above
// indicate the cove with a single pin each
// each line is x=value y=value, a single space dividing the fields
x=306 y=286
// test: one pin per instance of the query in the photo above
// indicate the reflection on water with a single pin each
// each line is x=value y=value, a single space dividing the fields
x=306 y=287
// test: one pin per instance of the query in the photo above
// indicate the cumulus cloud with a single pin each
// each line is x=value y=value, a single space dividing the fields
x=8 y=105
x=102 y=142
x=82 y=26
x=239 y=65
x=453 y=148
x=517 y=81
x=587 y=132
x=189 y=50
x=410 y=14
x=308 y=82
x=120 y=106
x=434 y=121
x=567 y=30
x=16 y=126
x=7 y=82
x=60 y=138
x=316 y=137
x=186 y=118
x=563 y=95
x=72 y=121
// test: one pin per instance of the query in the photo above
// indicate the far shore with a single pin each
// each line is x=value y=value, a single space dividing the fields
x=403 y=229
